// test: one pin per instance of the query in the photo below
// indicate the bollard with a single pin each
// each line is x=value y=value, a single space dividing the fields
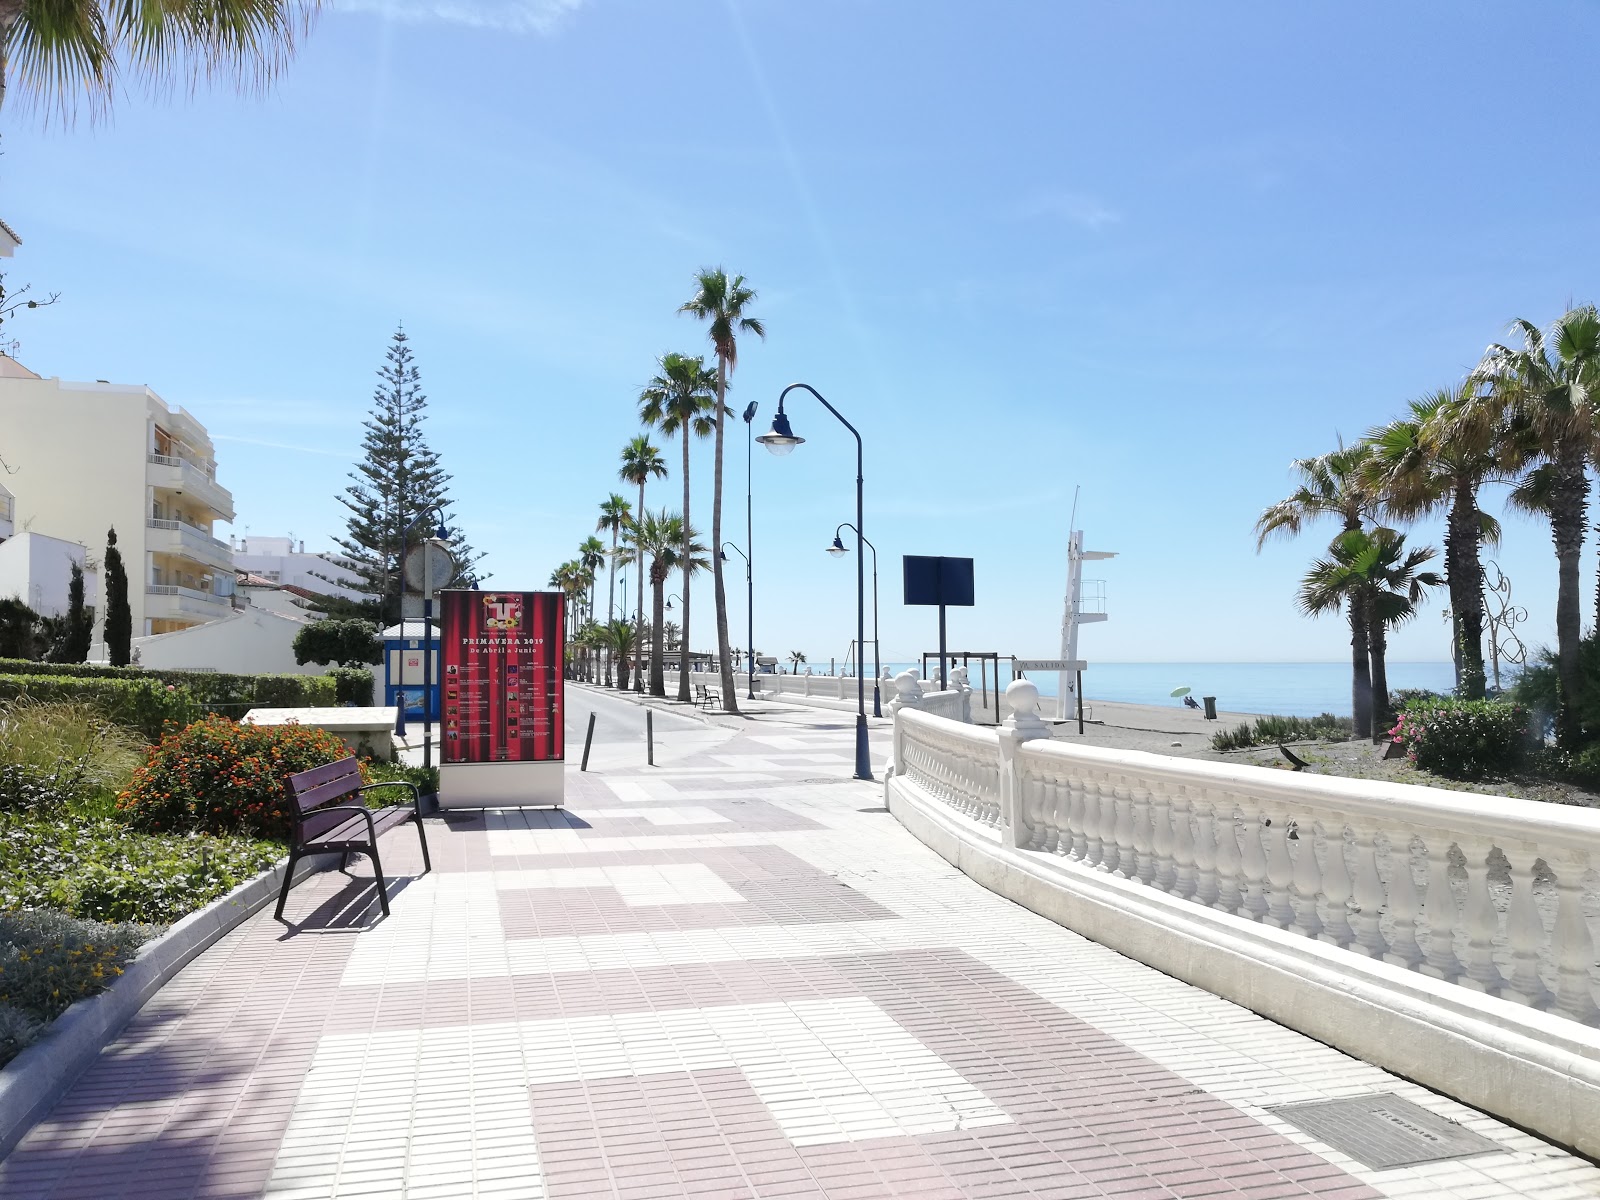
x=650 y=736
x=588 y=738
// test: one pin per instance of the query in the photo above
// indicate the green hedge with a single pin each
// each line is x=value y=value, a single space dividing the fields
x=1464 y=739
x=146 y=705
x=216 y=691
x=352 y=685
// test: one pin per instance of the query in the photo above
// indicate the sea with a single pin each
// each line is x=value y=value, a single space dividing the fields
x=1287 y=689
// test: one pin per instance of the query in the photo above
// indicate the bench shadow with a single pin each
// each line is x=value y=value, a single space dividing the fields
x=353 y=908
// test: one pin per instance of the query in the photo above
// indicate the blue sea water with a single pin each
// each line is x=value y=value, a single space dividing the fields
x=1289 y=689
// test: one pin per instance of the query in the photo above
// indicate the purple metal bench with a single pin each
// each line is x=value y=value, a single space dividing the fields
x=323 y=825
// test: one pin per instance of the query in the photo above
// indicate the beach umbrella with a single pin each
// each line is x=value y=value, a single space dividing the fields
x=1176 y=692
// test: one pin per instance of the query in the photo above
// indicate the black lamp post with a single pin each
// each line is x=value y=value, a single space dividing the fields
x=442 y=534
x=750 y=613
x=750 y=537
x=838 y=551
x=780 y=439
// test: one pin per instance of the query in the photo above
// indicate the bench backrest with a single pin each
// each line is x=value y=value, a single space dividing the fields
x=333 y=783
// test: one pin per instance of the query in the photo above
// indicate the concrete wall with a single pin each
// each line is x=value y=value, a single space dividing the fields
x=38 y=570
x=249 y=641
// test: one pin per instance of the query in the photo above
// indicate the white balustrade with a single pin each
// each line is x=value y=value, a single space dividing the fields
x=1502 y=910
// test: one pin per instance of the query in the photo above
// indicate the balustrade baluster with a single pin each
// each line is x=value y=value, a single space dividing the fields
x=1482 y=920
x=1252 y=859
x=1307 y=881
x=1225 y=829
x=1524 y=931
x=1334 y=909
x=1123 y=863
x=1368 y=894
x=1404 y=950
x=1206 y=889
x=1060 y=812
x=1076 y=846
x=1162 y=839
x=1183 y=881
x=1094 y=803
x=1034 y=801
x=1144 y=832
x=1439 y=907
x=1280 y=868
x=1573 y=942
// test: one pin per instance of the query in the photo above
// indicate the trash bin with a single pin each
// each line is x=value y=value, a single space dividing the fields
x=1211 y=707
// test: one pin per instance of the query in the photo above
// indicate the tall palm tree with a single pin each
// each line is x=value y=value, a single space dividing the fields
x=591 y=556
x=662 y=538
x=1436 y=457
x=1333 y=485
x=1548 y=388
x=679 y=399
x=67 y=51
x=614 y=514
x=1375 y=571
x=641 y=462
x=723 y=303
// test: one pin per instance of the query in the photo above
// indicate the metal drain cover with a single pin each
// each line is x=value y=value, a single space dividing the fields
x=1384 y=1130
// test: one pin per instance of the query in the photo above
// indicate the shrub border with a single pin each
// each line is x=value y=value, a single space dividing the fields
x=32 y=1083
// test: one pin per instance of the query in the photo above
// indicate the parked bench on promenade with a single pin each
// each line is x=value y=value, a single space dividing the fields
x=706 y=696
x=323 y=825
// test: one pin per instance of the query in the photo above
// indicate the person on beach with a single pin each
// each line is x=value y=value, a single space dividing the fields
x=1191 y=702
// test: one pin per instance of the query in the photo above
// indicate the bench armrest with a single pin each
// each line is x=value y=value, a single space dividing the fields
x=416 y=792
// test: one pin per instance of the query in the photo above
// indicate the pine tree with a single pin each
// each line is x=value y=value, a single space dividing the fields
x=398 y=478
x=80 y=630
x=119 y=617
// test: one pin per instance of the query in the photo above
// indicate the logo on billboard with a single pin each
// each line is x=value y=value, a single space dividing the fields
x=503 y=611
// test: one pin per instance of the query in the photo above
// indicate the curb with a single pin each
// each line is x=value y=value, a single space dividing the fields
x=32 y=1083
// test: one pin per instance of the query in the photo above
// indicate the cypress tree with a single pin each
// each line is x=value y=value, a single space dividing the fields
x=119 y=617
x=398 y=477
x=80 y=631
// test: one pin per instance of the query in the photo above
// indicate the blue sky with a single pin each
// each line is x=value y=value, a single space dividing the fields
x=1154 y=249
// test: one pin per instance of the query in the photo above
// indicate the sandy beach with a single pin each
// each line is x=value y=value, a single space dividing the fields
x=1160 y=728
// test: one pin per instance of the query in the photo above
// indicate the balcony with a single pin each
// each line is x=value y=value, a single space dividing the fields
x=191 y=479
x=188 y=541
x=8 y=514
x=166 y=602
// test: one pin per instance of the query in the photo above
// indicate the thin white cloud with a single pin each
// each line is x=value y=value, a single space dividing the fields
x=249 y=441
x=1072 y=207
x=541 y=17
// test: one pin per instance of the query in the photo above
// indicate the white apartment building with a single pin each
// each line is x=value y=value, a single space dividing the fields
x=87 y=457
x=9 y=241
x=284 y=561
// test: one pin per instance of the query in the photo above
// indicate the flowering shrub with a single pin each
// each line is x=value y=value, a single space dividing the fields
x=1463 y=739
x=218 y=777
x=47 y=961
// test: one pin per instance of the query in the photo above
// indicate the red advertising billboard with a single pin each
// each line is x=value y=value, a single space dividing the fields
x=501 y=680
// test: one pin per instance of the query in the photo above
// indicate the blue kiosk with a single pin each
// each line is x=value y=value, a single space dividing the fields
x=403 y=670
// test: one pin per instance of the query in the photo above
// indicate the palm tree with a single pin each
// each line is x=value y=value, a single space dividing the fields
x=1436 y=457
x=591 y=556
x=71 y=49
x=662 y=537
x=722 y=301
x=1375 y=571
x=620 y=638
x=1548 y=389
x=796 y=657
x=614 y=514
x=679 y=400
x=640 y=462
x=1333 y=485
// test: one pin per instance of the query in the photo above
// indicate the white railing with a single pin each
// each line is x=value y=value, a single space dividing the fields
x=1485 y=892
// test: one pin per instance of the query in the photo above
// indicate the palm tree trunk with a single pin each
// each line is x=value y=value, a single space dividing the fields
x=1569 y=498
x=730 y=693
x=611 y=602
x=1465 y=573
x=683 y=650
x=1378 y=652
x=658 y=590
x=638 y=569
x=1360 y=669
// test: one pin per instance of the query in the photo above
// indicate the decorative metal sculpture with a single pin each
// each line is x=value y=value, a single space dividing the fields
x=1502 y=617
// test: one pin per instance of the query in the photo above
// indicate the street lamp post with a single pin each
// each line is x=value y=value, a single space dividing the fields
x=750 y=537
x=838 y=550
x=780 y=439
x=442 y=535
x=751 y=628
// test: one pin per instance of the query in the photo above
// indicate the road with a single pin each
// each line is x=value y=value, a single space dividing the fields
x=619 y=731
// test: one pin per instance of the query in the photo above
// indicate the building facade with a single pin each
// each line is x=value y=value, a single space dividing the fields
x=283 y=561
x=88 y=457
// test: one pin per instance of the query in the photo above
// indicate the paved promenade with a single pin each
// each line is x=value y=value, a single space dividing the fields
x=730 y=975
